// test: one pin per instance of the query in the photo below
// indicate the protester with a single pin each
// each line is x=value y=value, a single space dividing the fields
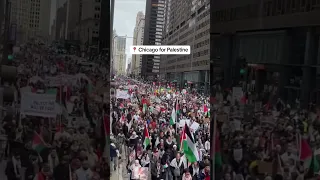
x=154 y=119
x=256 y=138
x=54 y=130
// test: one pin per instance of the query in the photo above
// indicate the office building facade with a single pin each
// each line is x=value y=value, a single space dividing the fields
x=187 y=23
x=279 y=40
x=138 y=41
x=104 y=26
x=81 y=23
x=31 y=19
x=154 y=20
x=119 y=54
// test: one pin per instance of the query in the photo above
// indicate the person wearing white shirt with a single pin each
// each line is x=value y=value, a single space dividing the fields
x=207 y=145
x=61 y=133
x=84 y=173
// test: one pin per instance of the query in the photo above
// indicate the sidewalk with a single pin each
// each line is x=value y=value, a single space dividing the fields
x=120 y=173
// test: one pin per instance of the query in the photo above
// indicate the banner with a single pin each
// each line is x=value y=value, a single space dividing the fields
x=122 y=94
x=43 y=105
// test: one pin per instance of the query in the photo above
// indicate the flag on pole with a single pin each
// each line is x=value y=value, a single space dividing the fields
x=38 y=143
x=205 y=109
x=315 y=165
x=144 y=108
x=173 y=117
x=146 y=141
x=305 y=153
x=189 y=145
x=181 y=140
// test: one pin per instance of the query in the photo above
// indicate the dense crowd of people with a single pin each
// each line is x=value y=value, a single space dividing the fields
x=253 y=139
x=163 y=132
x=64 y=141
x=153 y=119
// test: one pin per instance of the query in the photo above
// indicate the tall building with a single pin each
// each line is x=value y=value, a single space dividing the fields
x=56 y=6
x=129 y=67
x=2 y=14
x=154 y=20
x=280 y=42
x=138 y=40
x=60 y=22
x=119 y=54
x=80 y=21
x=187 y=23
x=106 y=26
x=89 y=25
x=31 y=19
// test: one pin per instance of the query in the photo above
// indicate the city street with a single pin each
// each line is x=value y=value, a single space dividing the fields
x=121 y=172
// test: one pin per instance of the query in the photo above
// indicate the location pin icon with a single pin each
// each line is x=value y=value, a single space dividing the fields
x=134 y=49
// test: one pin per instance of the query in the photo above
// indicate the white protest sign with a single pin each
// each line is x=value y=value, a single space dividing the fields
x=43 y=105
x=122 y=94
x=183 y=122
x=194 y=126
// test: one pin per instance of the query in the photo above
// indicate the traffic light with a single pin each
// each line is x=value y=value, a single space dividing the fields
x=10 y=57
x=243 y=66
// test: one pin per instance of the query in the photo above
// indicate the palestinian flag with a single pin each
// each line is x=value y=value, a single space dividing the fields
x=189 y=146
x=181 y=138
x=38 y=143
x=305 y=153
x=205 y=110
x=146 y=141
x=144 y=108
x=173 y=118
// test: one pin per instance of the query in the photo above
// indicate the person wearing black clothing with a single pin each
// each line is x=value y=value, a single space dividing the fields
x=61 y=172
x=156 y=171
x=32 y=168
x=13 y=168
x=168 y=143
x=9 y=126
